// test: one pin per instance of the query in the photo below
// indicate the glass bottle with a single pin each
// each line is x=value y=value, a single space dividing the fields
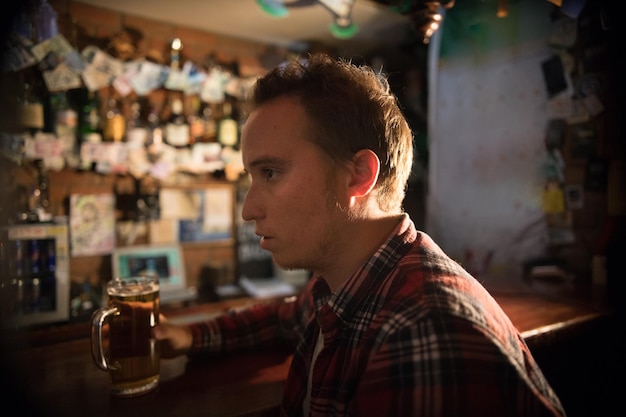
x=228 y=128
x=114 y=121
x=195 y=120
x=210 y=125
x=154 y=144
x=90 y=119
x=65 y=126
x=177 y=128
x=65 y=117
x=90 y=128
x=32 y=283
x=31 y=103
x=137 y=131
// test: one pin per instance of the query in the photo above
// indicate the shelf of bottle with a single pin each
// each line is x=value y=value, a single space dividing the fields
x=156 y=159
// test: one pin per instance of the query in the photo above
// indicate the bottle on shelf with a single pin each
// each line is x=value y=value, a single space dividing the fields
x=154 y=144
x=196 y=122
x=175 y=79
x=32 y=282
x=114 y=122
x=38 y=198
x=228 y=128
x=210 y=124
x=30 y=106
x=153 y=118
x=90 y=127
x=90 y=121
x=175 y=47
x=19 y=275
x=65 y=127
x=138 y=129
x=177 y=132
x=37 y=276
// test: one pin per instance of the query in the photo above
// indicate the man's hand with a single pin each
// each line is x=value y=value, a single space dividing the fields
x=175 y=339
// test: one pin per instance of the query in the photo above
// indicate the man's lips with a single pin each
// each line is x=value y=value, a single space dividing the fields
x=264 y=240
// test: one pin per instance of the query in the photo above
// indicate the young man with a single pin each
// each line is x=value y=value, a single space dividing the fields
x=388 y=325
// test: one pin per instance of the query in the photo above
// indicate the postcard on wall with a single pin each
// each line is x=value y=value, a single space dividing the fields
x=202 y=214
x=213 y=219
x=179 y=203
x=92 y=224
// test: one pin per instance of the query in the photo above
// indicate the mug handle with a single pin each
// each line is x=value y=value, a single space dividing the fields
x=97 y=351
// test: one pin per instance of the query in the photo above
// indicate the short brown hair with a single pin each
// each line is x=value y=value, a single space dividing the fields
x=351 y=108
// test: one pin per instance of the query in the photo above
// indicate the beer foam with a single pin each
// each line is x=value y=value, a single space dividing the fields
x=131 y=286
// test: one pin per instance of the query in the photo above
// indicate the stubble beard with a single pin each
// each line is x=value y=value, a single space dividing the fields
x=328 y=245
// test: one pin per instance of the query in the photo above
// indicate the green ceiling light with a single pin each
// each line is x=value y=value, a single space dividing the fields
x=274 y=8
x=343 y=30
x=342 y=27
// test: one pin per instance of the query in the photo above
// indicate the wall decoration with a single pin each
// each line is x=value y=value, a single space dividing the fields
x=553 y=200
x=198 y=214
x=92 y=224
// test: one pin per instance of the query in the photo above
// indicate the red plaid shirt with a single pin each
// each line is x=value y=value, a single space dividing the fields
x=411 y=333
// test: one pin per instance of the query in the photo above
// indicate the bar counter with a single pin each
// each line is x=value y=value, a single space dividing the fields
x=62 y=380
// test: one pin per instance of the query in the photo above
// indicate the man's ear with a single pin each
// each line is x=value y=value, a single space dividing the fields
x=364 y=171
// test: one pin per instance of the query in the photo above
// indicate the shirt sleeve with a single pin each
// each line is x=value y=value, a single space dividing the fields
x=426 y=370
x=262 y=325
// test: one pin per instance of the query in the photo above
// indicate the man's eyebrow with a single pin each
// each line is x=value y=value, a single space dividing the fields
x=266 y=160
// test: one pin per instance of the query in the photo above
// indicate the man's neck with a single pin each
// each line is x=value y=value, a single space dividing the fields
x=365 y=237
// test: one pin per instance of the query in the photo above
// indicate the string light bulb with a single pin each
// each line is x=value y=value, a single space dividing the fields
x=503 y=8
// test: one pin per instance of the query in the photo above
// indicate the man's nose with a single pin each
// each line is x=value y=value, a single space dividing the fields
x=251 y=208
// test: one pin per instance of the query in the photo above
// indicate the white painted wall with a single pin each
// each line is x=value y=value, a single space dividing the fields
x=487 y=109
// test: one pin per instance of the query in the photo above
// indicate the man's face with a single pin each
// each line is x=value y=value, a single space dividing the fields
x=293 y=197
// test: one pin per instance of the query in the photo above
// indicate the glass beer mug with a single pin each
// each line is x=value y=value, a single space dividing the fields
x=133 y=357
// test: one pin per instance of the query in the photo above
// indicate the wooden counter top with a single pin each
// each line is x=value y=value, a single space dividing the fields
x=62 y=380
x=545 y=319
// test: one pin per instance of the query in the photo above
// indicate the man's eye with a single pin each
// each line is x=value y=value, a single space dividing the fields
x=269 y=173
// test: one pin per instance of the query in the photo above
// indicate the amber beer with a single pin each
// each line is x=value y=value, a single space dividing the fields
x=133 y=355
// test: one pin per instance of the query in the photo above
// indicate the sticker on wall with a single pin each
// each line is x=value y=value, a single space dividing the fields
x=92 y=224
x=553 y=199
x=199 y=214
